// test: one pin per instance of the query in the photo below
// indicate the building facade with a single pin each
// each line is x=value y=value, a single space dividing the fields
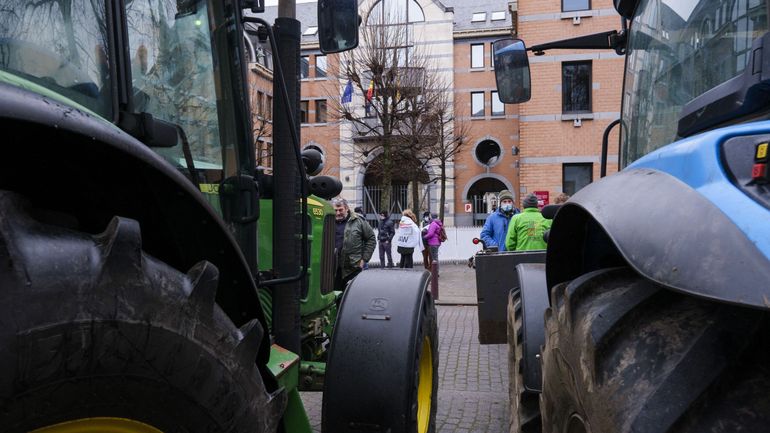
x=489 y=161
x=576 y=94
x=548 y=145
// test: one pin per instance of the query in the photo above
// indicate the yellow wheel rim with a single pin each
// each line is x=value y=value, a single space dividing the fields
x=99 y=425
x=425 y=387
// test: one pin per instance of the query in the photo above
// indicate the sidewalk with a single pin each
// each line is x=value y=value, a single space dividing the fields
x=456 y=285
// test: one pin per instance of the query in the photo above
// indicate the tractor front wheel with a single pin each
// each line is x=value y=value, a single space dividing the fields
x=97 y=335
x=623 y=354
x=382 y=373
x=524 y=406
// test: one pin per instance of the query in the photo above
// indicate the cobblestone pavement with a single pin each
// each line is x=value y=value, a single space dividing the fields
x=473 y=379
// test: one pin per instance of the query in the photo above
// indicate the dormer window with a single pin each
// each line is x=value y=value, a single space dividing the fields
x=479 y=17
x=498 y=15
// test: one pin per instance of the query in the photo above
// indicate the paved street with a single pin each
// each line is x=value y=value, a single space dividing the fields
x=473 y=379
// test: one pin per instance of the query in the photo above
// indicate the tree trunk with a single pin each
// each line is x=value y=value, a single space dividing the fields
x=442 y=193
x=387 y=180
x=416 y=197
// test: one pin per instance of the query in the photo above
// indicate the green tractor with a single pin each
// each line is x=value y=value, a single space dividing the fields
x=151 y=278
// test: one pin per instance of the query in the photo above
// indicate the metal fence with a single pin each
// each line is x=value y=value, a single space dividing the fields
x=479 y=208
x=457 y=248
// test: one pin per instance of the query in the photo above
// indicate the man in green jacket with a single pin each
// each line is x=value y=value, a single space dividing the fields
x=525 y=231
x=354 y=243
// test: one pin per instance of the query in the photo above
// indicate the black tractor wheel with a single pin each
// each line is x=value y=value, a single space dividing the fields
x=382 y=373
x=96 y=335
x=524 y=406
x=623 y=354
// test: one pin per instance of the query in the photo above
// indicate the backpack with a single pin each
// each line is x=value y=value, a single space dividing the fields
x=442 y=235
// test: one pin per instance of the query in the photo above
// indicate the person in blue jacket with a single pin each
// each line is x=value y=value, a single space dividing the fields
x=496 y=226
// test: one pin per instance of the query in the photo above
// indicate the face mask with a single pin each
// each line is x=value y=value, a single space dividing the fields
x=507 y=207
x=426 y=219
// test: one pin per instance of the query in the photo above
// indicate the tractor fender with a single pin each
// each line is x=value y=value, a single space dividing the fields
x=370 y=372
x=87 y=171
x=534 y=301
x=665 y=230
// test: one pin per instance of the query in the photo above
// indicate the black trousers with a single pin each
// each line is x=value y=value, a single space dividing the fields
x=341 y=283
x=385 y=249
x=406 y=260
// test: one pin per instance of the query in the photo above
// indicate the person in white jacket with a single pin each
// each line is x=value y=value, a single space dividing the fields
x=408 y=238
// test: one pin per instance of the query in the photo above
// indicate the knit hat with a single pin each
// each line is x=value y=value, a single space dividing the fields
x=505 y=194
x=530 y=201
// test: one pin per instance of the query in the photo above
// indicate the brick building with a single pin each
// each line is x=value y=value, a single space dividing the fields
x=551 y=143
x=575 y=95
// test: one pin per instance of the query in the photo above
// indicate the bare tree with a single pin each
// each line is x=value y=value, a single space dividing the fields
x=417 y=130
x=391 y=73
x=451 y=133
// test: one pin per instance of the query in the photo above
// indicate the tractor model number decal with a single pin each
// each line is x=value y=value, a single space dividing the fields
x=209 y=188
x=378 y=304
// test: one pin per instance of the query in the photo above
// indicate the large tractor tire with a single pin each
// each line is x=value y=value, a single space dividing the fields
x=623 y=354
x=96 y=335
x=382 y=373
x=524 y=406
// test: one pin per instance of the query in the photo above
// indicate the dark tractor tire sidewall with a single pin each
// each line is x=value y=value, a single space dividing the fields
x=117 y=338
x=373 y=374
x=428 y=326
x=623 y=354
x=519 y=401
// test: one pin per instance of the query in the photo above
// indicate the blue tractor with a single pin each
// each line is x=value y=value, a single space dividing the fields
x=656 y=285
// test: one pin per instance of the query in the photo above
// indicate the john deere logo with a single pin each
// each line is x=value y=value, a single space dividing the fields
x=378 y=304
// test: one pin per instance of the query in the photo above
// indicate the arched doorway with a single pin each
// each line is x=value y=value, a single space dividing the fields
x=483 y=196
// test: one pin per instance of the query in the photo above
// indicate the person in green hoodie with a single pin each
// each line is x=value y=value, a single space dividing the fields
x=525 y=231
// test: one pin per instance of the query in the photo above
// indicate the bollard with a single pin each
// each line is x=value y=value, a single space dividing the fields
x=434 y=280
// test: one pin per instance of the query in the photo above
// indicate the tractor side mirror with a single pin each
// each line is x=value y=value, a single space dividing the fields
x=512 y=71
x=338 y=23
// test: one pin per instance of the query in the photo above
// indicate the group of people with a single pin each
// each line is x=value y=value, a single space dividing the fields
x=511 y=229
x=507 y=228
x=410 y=237
x=355 y=241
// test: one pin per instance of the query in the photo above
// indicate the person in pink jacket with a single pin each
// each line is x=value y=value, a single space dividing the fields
x=433 y=238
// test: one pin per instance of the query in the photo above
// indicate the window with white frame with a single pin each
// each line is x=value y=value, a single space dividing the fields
x=498 y=108
x=477 y=104
x=478 y=17
x=576 y=87
x=320 y=111
x=477 y=55
x=304 y=67
x=575 y=5
x=320 y=66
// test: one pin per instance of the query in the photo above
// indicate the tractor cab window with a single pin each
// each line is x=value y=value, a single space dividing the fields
x=61 y=46
x=172 y=68
x=678 y=50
